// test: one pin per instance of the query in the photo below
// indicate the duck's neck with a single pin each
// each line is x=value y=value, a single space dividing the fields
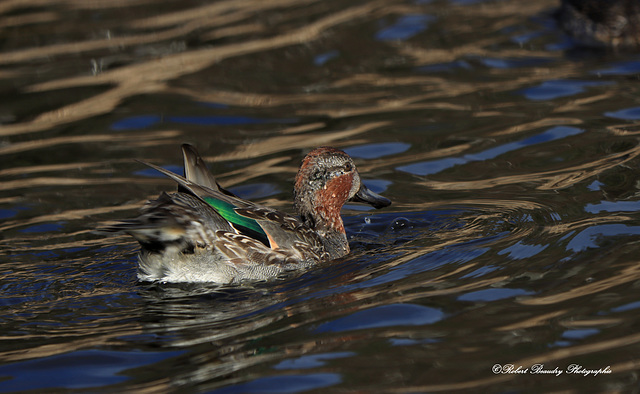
x=335 y=244
x=320 y=211
x=326 y=222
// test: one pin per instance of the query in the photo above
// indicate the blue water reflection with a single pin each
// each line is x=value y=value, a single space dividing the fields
x=410 y=342
x=375 y=151
x=321 y=59
x=405 y=27
x=136 y=122
x=487 y=269
x=563 y=44
x=76 y=370
x=8 y=213
x=570 y=336
x=144 y=121
x=520 y=250
x=550 y=90
x=488 y=295
x=505 y=63
x=587 y=238
x=311 y=360
x=44 y=228
x=384 y=316
x=430 y=261
x=627 y=307
x=435 y=166
x=595 y=185
x=454 y=254
x=579 y=333
x=625 y=114
x=622 y=68
x=613 y=206
x=13 y=211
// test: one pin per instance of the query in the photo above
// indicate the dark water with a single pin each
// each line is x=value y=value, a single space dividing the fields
x=510 y=153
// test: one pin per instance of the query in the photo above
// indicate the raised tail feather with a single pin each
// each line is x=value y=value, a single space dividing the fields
x=196 y=171
x=200 y=206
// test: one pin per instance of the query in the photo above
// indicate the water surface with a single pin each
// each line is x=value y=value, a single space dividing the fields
x=509 y=152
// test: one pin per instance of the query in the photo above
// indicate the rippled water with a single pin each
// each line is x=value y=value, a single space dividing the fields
x=510 y=154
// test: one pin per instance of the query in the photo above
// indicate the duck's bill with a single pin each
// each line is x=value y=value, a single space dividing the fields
x=374 y=199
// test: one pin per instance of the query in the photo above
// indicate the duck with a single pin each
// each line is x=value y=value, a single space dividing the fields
x=204 y=233
x=602 y=23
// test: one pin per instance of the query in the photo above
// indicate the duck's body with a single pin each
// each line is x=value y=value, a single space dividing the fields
x=602 y=23
x=203 y=233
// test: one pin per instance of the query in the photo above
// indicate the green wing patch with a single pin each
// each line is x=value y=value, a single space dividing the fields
x=243 y=224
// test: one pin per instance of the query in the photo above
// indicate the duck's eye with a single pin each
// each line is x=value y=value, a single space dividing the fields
x=336 y=172
x=348 y=167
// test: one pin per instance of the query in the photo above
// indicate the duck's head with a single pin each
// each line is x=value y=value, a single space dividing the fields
x=326 y=180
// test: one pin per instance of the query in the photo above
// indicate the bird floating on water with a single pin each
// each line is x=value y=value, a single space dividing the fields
x=204 y=233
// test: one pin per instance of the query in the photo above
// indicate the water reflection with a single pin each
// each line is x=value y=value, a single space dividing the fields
x=550 y=90
x=53 y=371
x=510 y=153
x=405 y=27
x=626 y=114
x=433 y=167
x=144 y=121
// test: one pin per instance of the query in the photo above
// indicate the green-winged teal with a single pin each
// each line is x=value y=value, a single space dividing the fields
x=203 y=233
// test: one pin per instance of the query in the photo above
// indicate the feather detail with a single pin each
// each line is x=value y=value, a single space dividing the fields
x=242 y=224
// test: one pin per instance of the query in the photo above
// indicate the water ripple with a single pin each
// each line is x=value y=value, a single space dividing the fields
x=436 y=166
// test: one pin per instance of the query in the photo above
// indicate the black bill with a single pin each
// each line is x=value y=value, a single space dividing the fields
x=374 y=199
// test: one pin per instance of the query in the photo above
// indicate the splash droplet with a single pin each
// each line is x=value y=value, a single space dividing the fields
x=399 y=224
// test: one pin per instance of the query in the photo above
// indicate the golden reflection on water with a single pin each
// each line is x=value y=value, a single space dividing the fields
x=629 y=274
x=547 y=180
x=299 y=141
x=70 y=214
x=100 y=336
x=139 y=139
x=149 y=77
x=152 y=76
